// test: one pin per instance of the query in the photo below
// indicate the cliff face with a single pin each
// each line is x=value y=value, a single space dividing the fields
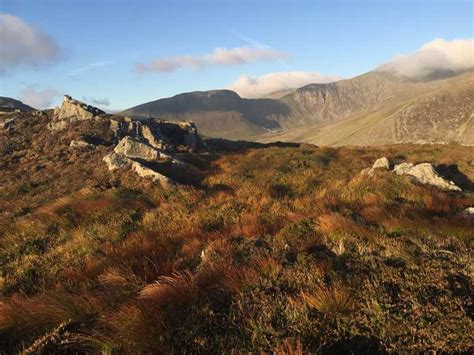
x=435 y=112
x=322 y=103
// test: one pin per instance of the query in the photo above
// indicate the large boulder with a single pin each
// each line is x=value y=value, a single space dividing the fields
x=425 y=174
x=116 y=161
x=72 y=110
x=132 y=148
x=147 y=172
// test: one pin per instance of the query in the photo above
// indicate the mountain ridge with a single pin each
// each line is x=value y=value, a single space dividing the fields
x=223 y=113
x=8 y=103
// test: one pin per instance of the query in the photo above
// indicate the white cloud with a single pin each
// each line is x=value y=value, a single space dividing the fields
x=38 y=98
x=251 y=87
x=24 y=44
x=437 y=55
x=95 y=101
x=220 y=56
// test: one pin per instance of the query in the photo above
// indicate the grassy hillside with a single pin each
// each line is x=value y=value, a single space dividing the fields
x=276 y=249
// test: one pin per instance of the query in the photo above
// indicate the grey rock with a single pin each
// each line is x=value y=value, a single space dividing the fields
x=71 y=111
x=132 y=148
x=425 y=174
x=144 y=171
x=116 y=161
x=148 y=132
x=381 y=163
x=78 y=144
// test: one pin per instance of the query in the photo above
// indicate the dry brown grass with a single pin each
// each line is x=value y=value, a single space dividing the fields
x=289 y=347
x=330 y=299
x=239 y=263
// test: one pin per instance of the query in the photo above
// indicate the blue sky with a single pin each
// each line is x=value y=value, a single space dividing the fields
x=101 y=42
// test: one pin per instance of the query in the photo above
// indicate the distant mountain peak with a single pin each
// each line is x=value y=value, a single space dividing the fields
x=10 y=104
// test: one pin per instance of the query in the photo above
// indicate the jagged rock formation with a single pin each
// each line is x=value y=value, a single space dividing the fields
x=72 y=110
x=160 y=134
x=145 y=146
x=131 y=152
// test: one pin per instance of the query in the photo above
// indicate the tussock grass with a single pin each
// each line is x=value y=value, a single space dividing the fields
x=330 y=299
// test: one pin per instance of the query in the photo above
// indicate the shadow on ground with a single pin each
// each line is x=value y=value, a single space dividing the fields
x=452 y=173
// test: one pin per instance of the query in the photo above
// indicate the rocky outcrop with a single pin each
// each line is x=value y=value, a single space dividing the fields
x=148 y=147
x=160 y=134
x=425 y=174
x=181 y=133
x=381 y=163
x=70 y=111
x=132 y=148
x=116 y=161
x=145 y=146
x=145 y=131
x=147 y=172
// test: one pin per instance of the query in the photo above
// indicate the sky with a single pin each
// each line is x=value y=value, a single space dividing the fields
x=118 y=54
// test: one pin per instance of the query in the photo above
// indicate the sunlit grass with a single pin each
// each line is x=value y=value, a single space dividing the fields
x=280 y=249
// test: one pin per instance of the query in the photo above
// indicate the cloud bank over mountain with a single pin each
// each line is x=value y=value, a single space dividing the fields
x=437 y=55
x=258 y=86
x=219 y=57
x=23 y=44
